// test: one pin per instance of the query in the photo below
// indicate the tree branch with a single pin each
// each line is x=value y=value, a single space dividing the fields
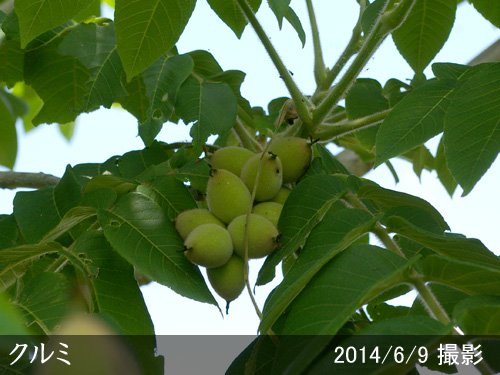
x=490 y=54
x=14 y=180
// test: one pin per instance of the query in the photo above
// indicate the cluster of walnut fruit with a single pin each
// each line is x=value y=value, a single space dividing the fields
x=219 y=237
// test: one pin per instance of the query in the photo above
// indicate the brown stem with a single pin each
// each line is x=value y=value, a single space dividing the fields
x=14 y=180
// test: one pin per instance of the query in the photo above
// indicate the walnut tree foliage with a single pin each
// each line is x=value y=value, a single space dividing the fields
x=84 y=242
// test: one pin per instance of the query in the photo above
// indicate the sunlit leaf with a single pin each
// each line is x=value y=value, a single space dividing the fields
x=38 y=16
x=425 y=31
x=418 y=117
x=95 y=47
x=46 y=69
x=139 y=231
x=454 y=246
x=479 y=315
x=8 y=139
x=212 y=106
x=145 y=30
x=470 y=278
x=472 y=126
x=489 y=10
x=116 y=291
x=338 y=230
x=231 y=14
x=303 y=210
x=45 y=300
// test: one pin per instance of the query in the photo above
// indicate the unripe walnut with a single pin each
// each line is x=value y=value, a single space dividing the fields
x=228 y=280
x=270 y=178
x=231 y=158
x=262 y=235
x=270 y=210
x=282 y=195
x=295 y=154
x=187 y=220
x=227 y=195
x=209 y=245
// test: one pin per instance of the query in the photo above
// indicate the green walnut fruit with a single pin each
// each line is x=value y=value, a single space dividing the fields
x=270 y=210
x=271 y=175
x=295 y=155
x=228 y=280
x=231 y=158
x=209 y=245
x=186 y=221
x=282 y=195
x=262 y=235
x=227 y=195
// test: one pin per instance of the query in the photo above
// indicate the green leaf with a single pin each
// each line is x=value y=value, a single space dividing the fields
x=36 y=213
x=442 y=170
x=280 y=9
x=383 y=311
x=211 y=105
x=294 y=20
x=479 y=315
x=145 y=30
x=139 y=231
x=205 y=64
x=170 y=194
x=23 y=253
x=489 y=10
x=418 y=117
x=133 y=163
x=386 y=199
x=92 y=11
x=470 y=278
x=46 y=69
x=68 y=192
x=12 y=57
x=230 y=13
x=71 y=219
x=363 y=99
x=8 y=134
x=162 y=81
x=45 y=300
x=327 y=162
x=11 y=320
x=116 y=291
x=450 y=245
x=306 y=205
x=449 y=70
x=16 y=260
x=137 y=101
x=338 y=230
x=9 y=233
x=421 y=159
x=67 y=130
x=472 y=125
x=38 y=16
x=33 y=102
x=348 y=281
x=95 y=47
x=425 y=31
